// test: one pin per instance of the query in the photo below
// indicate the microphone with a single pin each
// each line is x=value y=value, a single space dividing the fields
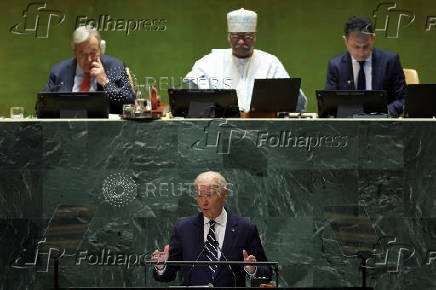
x=55 y=87
x=216 y=244
x=193 y=265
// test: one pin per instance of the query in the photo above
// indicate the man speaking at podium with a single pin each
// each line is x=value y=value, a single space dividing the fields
x=214 y=234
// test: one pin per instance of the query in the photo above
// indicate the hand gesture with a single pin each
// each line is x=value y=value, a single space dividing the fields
x=161 y=256
x=249 y=258
x=97 y=71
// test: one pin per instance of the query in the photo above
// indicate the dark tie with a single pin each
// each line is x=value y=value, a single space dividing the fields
x=211 y=248
x=361 y=80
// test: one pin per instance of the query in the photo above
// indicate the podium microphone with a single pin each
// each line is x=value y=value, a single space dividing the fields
x=216 y=244
x=193 y=265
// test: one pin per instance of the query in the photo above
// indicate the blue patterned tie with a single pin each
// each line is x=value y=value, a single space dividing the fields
x=211 y=250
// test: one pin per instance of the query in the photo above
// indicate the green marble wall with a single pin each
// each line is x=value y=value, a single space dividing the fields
x=319 y=191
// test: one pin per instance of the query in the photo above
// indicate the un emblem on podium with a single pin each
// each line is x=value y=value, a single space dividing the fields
x=119 y=189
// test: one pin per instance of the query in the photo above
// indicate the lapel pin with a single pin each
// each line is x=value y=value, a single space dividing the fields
x=233 y=229
x=348 y=82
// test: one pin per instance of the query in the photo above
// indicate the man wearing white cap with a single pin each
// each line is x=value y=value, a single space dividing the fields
x=238 y=67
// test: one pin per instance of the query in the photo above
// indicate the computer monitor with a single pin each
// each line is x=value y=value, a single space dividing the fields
x=346 y=104
x=72 y=105
x=275 y=95
x=200 y=103
x=420 y=101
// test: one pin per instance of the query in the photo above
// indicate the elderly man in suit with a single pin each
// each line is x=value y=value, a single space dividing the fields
x=364 y=67
x=213 y=234
x=91 y=70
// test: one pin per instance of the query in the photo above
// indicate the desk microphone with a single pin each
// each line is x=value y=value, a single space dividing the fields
x=55 y=87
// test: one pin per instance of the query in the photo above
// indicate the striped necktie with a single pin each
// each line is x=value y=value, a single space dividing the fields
x=211 y=248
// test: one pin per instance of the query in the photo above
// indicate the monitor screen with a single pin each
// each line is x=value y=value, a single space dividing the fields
x=199 y=103
x=72 y=105
x=346 y=104
x=420 y=101
x=275 y=95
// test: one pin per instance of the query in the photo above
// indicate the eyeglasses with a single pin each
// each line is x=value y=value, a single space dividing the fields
x=92 y=54
x=209 y=194
x=242 y=36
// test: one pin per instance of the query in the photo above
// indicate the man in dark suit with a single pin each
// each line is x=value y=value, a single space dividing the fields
x=91 y=70
x=364 y=67
x=214 y=234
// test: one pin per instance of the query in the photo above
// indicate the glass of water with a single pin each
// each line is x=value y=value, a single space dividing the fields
x=17 y=112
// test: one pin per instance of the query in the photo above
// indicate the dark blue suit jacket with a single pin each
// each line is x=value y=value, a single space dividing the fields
x=387 y=74
x=187 y=243
x=118 y=89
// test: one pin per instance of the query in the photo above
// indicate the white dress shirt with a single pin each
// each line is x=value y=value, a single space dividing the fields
x=367 y=68
x=78 y=79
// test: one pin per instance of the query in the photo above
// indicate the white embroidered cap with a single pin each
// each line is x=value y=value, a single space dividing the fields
x=241 y=21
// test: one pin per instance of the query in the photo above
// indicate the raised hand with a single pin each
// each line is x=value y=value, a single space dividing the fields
x=249 y=258
x=161 y=256
x=97 y=71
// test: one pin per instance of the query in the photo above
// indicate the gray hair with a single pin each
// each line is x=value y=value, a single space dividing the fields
x=216 y=176
x=82 y=33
